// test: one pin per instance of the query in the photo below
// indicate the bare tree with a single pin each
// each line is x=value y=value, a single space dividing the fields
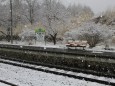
x=5 y=18
x=30 y=10
x=79 y=14
x=16 y=12
x=54 y=15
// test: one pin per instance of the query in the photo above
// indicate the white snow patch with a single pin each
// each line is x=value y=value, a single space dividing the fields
x=63 y=71
x=28 y=77
x=2 y=84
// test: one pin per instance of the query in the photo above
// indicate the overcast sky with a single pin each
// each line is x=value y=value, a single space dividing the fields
x=97 y=6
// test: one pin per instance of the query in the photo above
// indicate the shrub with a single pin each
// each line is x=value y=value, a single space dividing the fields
x=92 y=33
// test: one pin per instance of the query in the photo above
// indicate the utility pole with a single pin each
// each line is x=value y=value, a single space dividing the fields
x=11 y=22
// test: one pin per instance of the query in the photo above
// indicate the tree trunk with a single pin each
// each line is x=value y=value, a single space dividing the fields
x=54 y=38
x=8 y=37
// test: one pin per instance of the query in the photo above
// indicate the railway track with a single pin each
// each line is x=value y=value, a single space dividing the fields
x=79 y=70
x=60 y=70
x=7 y=83
x=60 y=52
x=81 y=76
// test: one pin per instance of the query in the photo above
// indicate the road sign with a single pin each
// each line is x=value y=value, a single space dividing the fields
x=40 y=34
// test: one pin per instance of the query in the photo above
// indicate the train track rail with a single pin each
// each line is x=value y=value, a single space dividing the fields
x=85 y=53
x=66 y=73
x=79 y=70
x=8 y=83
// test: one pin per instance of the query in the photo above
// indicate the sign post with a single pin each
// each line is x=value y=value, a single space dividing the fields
x=40 y=34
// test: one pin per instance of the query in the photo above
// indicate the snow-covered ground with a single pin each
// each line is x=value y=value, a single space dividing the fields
x=2 y=84
x=27 y=77
x=63 y=71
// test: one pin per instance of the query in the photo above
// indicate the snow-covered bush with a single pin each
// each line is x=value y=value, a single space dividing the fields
x=92 y=33
x=28 y=35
